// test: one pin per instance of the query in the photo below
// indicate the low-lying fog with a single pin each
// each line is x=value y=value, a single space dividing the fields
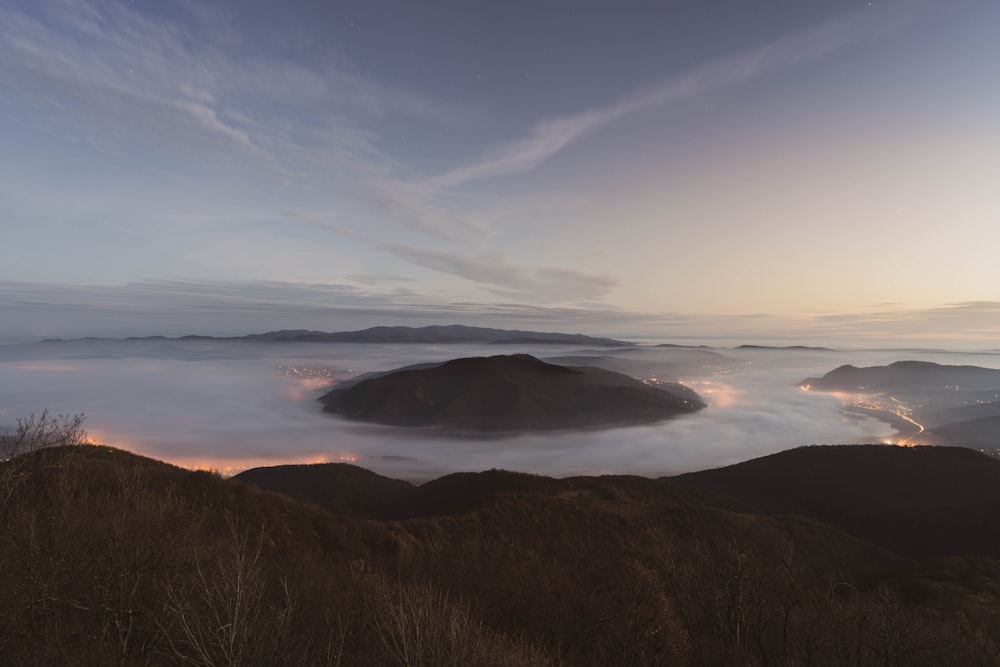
x=234 y=405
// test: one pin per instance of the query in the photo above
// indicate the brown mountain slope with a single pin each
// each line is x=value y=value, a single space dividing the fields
x=512 y=393
x=338 y=487
x=983 y=432
x=111 y=558
x=916 y=501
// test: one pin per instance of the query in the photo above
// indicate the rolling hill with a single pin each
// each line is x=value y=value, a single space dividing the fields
x=111 y=558
x=507 y=393
x=915 y=501
x=907 y=376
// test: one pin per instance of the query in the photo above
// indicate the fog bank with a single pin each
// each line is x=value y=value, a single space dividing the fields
x=230 y=406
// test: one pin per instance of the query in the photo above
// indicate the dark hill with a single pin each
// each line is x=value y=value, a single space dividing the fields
x=514 y=393
x=338 y=487
x=348 y=489
x=794 y=348
x=981 y=408
x=919 y=501
x=906 y=376
x=979 y=433
x=464 y=491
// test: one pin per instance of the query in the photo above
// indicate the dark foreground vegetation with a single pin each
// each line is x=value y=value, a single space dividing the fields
x=110 y=558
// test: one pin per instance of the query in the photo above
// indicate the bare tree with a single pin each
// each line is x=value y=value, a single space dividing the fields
x=36 y=432
x=219 y=614
x=416 y=624
x=33 y=433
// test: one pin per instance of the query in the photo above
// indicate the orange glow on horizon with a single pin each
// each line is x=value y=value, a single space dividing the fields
x=225 y=466
x=104 y=438
x=45 y=366
x=231 y=466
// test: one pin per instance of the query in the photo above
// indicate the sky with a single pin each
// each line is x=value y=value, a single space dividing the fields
x=743 y=168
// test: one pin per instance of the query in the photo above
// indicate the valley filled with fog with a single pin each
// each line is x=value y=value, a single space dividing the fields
x=230 y=404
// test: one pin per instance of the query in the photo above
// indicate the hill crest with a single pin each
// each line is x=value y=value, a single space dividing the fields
x=507 y=394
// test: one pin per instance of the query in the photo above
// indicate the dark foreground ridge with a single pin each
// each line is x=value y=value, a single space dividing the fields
x=110 y=558
x=916 y=501
x=508 y=393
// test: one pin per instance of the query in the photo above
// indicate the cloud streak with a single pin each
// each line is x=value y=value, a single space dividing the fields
x=551 y=136
x=487 y=268
x=117 y=69
x=32 y=311
x=975 y=321
x=545 y=285
x=120 y=79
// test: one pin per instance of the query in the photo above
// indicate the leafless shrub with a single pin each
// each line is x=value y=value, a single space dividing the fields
x=36 y=432
x=417 y=624
x=222 y=613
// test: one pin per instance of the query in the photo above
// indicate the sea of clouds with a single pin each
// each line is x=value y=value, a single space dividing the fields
x=231 y=405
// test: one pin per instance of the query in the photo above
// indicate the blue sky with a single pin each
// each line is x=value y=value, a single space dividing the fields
x=716 y=168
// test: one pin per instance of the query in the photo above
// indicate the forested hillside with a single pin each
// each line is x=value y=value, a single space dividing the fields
x=111 y=558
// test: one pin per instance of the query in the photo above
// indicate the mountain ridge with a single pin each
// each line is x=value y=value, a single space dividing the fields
x=432 y=334
x=906 y=376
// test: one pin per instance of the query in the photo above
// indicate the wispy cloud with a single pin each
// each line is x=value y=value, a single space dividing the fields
x=122 y=79
x=551 y=136
x=488 y=268
x=501 y=277
x=112 y=68
x=968 y=321
x=174 y=307
x=178 y=307
x=126 y=79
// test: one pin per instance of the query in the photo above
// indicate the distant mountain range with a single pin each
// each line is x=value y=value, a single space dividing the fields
x=435 y=334
x=800 y=348
x=507 y=393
